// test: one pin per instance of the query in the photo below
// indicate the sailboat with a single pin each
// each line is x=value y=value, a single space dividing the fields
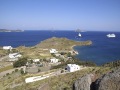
x=79 y=35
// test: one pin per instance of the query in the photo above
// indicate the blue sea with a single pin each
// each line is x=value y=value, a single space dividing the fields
x=102 y=50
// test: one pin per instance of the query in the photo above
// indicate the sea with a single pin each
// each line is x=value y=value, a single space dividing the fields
x=103 y=49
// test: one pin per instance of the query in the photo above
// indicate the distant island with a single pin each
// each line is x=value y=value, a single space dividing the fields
x=79 y=30
x=6 y=30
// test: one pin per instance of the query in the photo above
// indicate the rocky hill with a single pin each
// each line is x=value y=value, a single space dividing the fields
x=109 y=81
x=83 y=83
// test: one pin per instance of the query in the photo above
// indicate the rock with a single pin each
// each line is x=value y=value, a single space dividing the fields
x=83 y=83
x=110 y=81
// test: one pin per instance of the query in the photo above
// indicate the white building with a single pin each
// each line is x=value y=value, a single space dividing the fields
x=36 y=60
x=53 y=60
x=37 y=78
x=7 y=47
x=72 y=67
x=53 y=51
x=14 y=55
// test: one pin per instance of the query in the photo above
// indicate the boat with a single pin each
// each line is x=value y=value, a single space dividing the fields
x=79 y=35
x=111 y=35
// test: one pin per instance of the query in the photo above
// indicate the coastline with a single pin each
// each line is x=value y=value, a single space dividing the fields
x=76 y=52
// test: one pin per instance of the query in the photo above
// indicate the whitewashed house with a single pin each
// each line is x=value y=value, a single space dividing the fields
x=7 y=47
x=53 y=51
x=53 y=60
x=36 y=60
x=14 y=55
x=72 y=67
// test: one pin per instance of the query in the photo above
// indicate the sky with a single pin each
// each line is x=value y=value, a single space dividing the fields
x=60 y=14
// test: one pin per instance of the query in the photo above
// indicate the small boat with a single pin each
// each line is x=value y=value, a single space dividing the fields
x=79 y=35
x=111 y=35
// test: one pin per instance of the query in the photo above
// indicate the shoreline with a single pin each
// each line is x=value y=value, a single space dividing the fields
x=76 y=52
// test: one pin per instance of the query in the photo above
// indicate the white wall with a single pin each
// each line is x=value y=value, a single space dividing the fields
x=33 y=79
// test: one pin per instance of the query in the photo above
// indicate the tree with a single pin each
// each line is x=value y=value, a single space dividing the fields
x=39 y=70
x=16 y=70
x=22 y=72
x=69 y=54
x=20 y=62
x=62 y=53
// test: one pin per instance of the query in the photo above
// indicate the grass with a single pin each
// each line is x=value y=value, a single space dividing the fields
x=6 y=68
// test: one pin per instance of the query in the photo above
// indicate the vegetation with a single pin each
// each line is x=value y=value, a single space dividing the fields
x=112 y=64
x=20 y=62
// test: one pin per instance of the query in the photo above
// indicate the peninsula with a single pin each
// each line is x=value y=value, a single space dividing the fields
x=60 y=44
x=6 y=30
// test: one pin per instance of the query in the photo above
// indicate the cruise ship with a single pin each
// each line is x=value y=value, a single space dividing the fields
x=111 y=35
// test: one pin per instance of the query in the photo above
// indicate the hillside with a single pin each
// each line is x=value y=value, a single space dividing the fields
x=90 y=76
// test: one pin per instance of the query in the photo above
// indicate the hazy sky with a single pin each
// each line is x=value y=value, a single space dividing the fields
x=60 y=14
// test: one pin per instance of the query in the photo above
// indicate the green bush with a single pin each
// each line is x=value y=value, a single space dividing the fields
x=16 y=70
x=7 y=74
x=62 y=71
x=22 y=71
x=112 y=64
x=39 y=70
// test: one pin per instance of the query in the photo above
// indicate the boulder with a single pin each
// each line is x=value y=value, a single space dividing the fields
x=83 y=83
x=110 y=81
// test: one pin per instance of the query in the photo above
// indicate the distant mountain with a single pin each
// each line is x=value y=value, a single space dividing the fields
x=6 y=30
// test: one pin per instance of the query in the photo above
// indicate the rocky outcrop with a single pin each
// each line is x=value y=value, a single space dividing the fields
x=83 y=83
x=109 y=81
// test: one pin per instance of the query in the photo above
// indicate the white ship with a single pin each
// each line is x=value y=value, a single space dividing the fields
x=111 y=35
x=79 y=35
